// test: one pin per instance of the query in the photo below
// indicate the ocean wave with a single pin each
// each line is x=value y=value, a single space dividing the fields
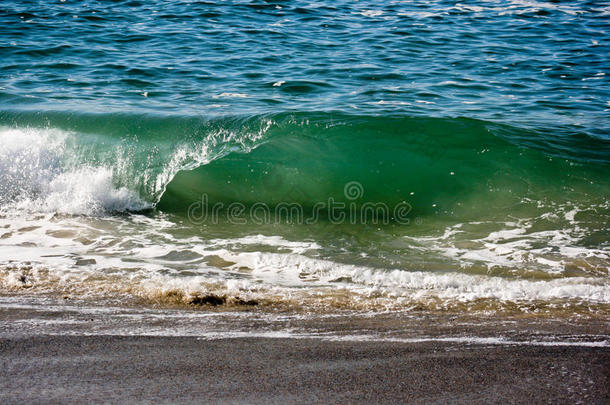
x=123 y=162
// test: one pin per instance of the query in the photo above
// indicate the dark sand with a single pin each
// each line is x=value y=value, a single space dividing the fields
x=58 y=351
x=79 y=369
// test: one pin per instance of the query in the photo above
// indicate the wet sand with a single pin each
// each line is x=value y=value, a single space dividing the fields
x=115 y=369
x=57 y=351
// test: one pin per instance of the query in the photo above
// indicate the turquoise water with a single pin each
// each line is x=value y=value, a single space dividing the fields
x=532 y=63
x=366 y=156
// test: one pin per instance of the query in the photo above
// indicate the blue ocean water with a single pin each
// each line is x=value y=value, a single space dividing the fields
x=534 y=63
x=466 y=145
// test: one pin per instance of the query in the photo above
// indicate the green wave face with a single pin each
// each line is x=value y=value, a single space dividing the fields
x=437 y=166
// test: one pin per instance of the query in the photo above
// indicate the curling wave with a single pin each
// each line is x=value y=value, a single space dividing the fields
x=87 y=163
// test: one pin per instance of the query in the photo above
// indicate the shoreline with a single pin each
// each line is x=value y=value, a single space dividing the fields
x=58 y=352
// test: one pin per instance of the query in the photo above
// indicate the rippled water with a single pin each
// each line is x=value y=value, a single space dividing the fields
x=517 y=61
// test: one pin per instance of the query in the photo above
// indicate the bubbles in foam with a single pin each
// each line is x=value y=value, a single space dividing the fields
x=29 y=159
x=36 y=174
x=554 y=243
x=87 y=191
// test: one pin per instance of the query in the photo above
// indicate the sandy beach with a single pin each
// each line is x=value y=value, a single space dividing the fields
x=52 y=351
x=115 y=369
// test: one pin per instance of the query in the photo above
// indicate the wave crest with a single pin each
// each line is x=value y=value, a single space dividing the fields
x=35 y=175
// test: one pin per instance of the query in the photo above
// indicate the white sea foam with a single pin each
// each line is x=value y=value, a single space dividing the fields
x=230 y=95
x=294 y=270
x=275 y=241
x=518 y=245
x=36 y=175
x=371 y=13
x=29 y=158
x=147 y=260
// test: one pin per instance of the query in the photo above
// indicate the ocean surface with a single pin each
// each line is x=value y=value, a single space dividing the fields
x=307 y=157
